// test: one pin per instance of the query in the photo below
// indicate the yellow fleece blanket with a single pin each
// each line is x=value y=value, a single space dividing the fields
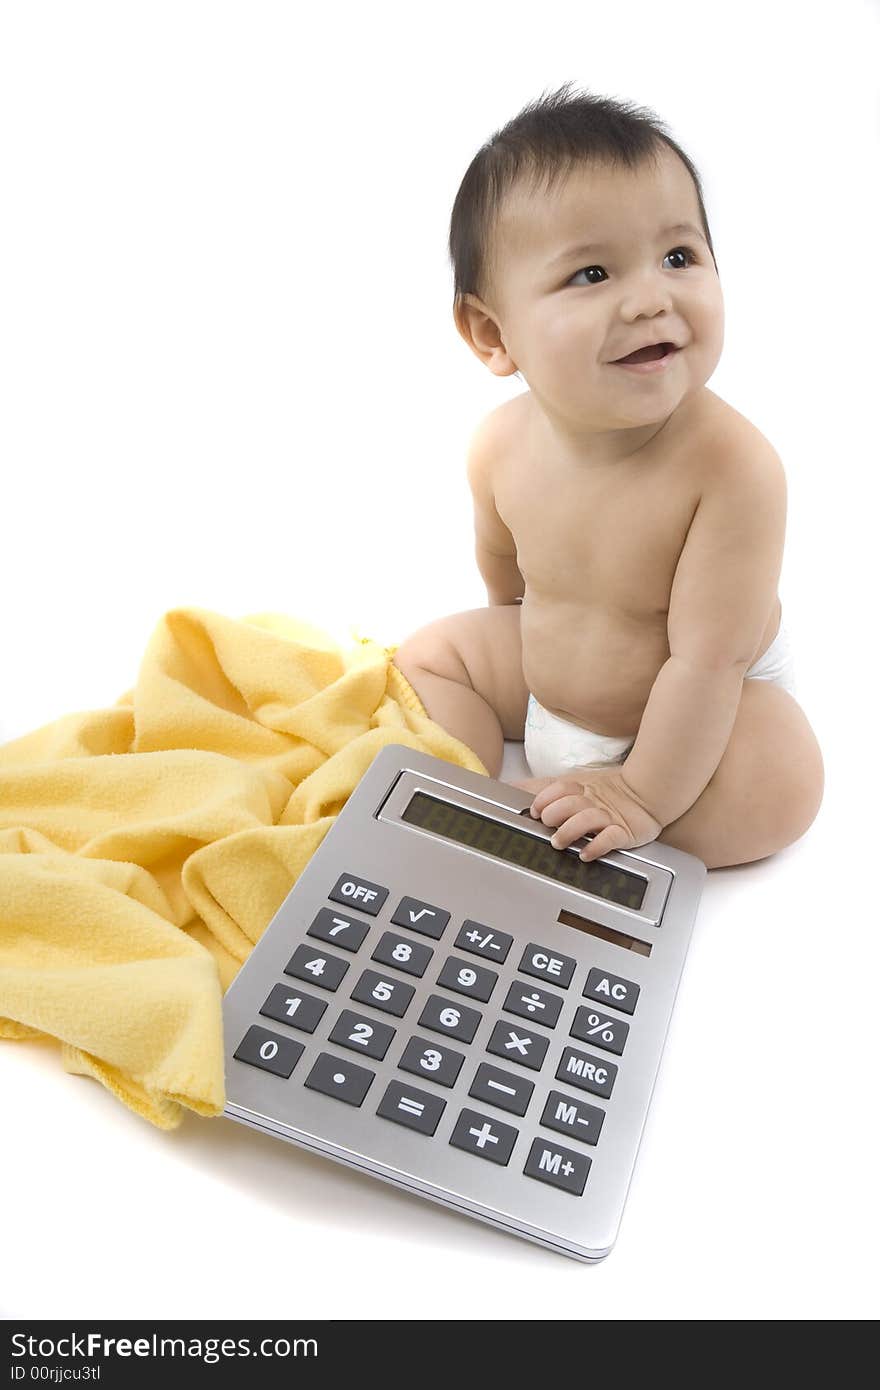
x=145 y=847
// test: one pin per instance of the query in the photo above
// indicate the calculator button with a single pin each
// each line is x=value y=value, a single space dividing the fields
x=561 y=1167
x=307 y=963
x=488 y=1138
x=444 y=1016
x=421 y=917
x=359 y=893
x=361 y=1034
x=340 y=1079
x=464 y=978
x=268 y=1050
x=392 y=996
x=502 y=1088
x=611 y=989
x=401 y=954
x=518 y=1045
x=547 y=965
x=590 y=1073
x=430 y=1060
x=295 y=1007
x=600 y=1029
x=572 y=1116
x=408 y=1106
x=537 y=1004
x=484 y=941
x=338 y=929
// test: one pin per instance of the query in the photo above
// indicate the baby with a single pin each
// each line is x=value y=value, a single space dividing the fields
x=638 y=517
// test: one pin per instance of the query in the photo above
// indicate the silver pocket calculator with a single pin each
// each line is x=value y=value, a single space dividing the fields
x=447 y=1002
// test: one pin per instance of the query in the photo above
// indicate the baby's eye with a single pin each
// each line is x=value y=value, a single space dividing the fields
x=676 y=251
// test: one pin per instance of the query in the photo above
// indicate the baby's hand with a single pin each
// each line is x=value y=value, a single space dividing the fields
x=590 y=801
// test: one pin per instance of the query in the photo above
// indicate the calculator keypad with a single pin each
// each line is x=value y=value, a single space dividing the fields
x=401 y=954
x=361 y=1034
x=382 y=992
x=537 y=1004
x=484 y=1135
x=518 y=1045
x=522 y=1042
x=408 y=1106
x=294 y=1007
x=465 y=978
x=341 y=1080
x=438 y=1064
x=310 y=963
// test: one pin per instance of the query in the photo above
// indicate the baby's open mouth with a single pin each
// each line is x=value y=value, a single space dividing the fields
x=649 y=354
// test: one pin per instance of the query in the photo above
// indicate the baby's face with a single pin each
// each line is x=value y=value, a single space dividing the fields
x=567 y=309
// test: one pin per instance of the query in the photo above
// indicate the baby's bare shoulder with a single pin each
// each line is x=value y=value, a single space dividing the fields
x=730 y=453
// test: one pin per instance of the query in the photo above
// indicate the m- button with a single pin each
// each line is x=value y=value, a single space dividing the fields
x=547 y=965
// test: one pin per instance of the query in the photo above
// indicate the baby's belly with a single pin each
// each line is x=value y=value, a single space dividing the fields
x=591 y=666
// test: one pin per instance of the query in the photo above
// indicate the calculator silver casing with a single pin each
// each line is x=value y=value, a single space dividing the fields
x=369 y=841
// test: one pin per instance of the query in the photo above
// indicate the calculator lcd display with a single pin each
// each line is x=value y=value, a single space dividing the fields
x=531 y=852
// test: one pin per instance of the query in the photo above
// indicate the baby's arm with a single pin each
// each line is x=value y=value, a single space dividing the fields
x=723 y=592
x=495 y=546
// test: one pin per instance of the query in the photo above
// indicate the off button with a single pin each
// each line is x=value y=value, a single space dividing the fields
x=360 y=893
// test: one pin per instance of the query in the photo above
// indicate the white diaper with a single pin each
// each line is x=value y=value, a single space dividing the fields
x=553 y=745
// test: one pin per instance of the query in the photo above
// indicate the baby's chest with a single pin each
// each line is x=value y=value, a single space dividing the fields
x=614 y=546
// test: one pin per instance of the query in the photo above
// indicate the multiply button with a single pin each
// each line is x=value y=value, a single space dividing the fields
x=484 y=941
x=547 y=965
x=359 y=893
x=516 y=1045
x=421 y=917
x=488 y=1138
x=561 y=1167
x=611 y=989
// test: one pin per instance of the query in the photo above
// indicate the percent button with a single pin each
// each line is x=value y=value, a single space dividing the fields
x=592 y=1026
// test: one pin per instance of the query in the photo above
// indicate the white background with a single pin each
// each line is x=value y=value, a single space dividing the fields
x=231 y=378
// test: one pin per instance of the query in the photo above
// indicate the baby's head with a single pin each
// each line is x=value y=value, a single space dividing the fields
x=578 y=235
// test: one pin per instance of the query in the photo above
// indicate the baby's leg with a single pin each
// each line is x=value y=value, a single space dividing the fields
x=467 y=671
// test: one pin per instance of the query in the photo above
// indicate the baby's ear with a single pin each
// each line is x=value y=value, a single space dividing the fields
x=477 y=326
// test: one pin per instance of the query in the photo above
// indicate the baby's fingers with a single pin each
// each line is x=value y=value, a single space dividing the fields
x=586 y=822
x=611 y=838
x=561 y=787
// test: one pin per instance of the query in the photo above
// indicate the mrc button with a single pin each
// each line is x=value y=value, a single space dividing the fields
x=547 y=964
x=611 y=989
x=589 y=1073
x=358 y=892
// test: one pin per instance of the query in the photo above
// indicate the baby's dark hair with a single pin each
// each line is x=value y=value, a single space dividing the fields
x=543 y=143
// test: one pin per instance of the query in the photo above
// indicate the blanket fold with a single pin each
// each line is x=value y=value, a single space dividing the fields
x=145 y=847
